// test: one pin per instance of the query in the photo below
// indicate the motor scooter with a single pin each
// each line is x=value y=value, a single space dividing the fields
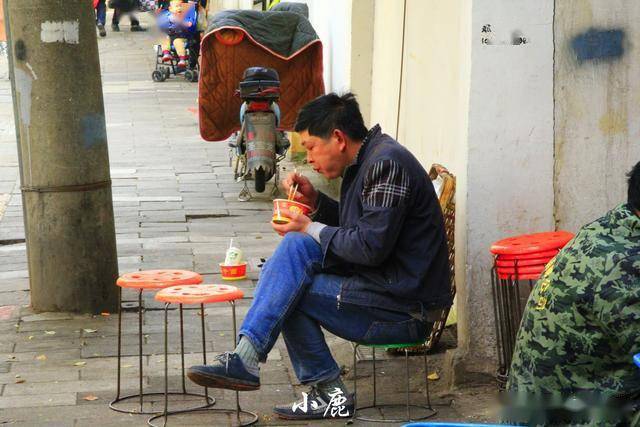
x=258 y=147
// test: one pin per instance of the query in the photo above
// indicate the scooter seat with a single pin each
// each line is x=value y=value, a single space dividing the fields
x=252 y=74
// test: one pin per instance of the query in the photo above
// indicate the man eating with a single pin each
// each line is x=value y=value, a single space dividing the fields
x=371 y=268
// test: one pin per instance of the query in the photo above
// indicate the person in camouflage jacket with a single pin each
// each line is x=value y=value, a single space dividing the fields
x=581 y=326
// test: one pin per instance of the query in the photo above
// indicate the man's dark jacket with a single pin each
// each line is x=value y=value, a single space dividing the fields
x=396 y=257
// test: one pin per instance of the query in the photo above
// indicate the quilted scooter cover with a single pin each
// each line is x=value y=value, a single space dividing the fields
x=222 y=66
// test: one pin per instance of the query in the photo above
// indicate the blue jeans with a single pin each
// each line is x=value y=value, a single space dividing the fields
x=294 y=297
x=101 y=12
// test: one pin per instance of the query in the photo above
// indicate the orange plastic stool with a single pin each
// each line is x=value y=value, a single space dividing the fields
x=533 y=262
x=158 y=279
x=199 y=295
x=518 y=262
x=532 y=255
x=532 y=269
x=529 y=243
x=151 y=280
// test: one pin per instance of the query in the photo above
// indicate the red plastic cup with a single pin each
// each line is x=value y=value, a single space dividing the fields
x=283 y=209
x=233 y=272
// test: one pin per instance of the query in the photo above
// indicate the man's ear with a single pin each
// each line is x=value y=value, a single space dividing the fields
x=341 y=139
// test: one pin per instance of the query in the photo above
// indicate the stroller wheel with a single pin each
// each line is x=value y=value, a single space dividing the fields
x=158 y=76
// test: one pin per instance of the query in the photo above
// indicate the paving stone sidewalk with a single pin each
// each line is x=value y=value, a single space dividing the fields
x=176 y=206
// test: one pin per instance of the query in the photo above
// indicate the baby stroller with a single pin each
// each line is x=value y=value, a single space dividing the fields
x=185 y=28
x=164 y=70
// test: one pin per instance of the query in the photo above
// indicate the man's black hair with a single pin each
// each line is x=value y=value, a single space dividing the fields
x=332 y=111
x=633 y=197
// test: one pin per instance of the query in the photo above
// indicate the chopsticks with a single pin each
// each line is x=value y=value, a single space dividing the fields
x=292 y=192
x=293 y=189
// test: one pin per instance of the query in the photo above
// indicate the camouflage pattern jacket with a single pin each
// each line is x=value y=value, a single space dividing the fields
x=581 y=325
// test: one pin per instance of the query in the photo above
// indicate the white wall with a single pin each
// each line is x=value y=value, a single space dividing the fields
x=510 y=152
x=435 y=81
x=216 y=5
x=332 y=21
x=434 y=71
x=387 y=57
x=362 y=38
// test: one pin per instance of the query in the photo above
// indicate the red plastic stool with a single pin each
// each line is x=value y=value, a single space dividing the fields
x=533 y=262
x=529 y=256
x=198 y=294
x=518 y=263
x=531 y=243
x=152 y=280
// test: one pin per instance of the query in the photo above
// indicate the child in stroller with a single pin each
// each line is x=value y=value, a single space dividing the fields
x=179 y=51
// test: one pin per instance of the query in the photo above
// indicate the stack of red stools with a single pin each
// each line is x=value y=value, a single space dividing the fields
x=518 y=262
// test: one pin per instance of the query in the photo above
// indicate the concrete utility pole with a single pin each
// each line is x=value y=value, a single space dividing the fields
x=62 y=148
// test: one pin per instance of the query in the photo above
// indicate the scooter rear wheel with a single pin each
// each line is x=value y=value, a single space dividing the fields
x=260 y=179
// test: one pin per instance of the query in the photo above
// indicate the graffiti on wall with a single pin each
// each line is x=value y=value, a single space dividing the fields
x=598 y=45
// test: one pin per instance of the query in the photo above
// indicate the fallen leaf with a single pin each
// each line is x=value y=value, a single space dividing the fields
x=17 y=375
x=221 y=334
x=50 y=332
x=90 y=331
x=11 y=357
x=127 y=366
x=79 y=363
x=30 y=337
x=19 y=381
x=433 y=376
x=41 y=357
x=90 y=398
x=104 y=313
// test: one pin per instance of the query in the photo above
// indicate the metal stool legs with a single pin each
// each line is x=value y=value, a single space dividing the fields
x=375 y=405
x=209 y=401
x=141 y=394
x=238 y=411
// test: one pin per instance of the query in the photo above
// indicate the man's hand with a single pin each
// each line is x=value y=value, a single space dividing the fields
x=299 y=223
x=305 y=193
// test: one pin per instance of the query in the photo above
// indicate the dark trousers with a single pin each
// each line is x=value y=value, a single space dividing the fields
x=117 y=14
